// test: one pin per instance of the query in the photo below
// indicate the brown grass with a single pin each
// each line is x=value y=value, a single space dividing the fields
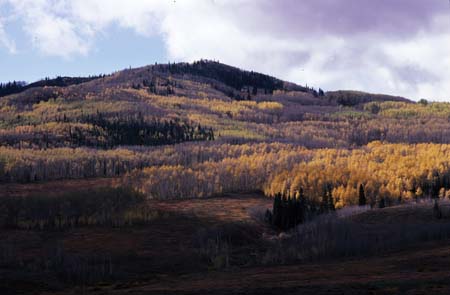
x=420 y=271
x=409 y=213
x=163 y=256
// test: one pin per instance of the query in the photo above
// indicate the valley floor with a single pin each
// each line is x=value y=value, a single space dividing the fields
x=419 y=271
x=169 y=255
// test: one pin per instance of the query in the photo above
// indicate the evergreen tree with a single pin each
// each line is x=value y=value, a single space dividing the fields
x=276 y=212
x=362 y=196
x=289 y=212
x=302 y=206
x=254 y=91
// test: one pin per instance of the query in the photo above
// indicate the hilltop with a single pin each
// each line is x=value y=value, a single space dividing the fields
x=238 y=105
x=231 y=81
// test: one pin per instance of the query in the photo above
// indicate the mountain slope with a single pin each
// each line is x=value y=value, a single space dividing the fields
x=237 y=105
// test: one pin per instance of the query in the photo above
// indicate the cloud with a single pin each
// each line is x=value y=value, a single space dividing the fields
x=51 y=29
x=389 y=18
x=67 y=28
x=392 y=46
x=5 y=41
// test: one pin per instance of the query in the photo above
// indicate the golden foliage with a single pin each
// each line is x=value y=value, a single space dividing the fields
x=389 y=171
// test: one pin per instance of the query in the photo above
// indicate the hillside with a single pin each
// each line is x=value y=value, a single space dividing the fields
x=182 y=120
x=181 y=178
x=239 y=106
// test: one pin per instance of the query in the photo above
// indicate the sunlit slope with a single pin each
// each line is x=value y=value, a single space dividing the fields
x=238 y=105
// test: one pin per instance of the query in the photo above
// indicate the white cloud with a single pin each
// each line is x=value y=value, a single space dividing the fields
x=264 y=36
x=51 y=29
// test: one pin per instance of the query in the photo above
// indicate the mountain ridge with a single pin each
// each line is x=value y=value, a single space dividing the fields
x=230 y=80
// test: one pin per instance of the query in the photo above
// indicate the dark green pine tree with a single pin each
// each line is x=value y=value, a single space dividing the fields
x=301 y=206
x=362 y=196
x=284 y=212
x=276 y=212
x=290 y=213
x=254 y=91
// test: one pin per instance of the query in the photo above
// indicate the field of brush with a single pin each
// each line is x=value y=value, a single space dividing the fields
x=103 y=241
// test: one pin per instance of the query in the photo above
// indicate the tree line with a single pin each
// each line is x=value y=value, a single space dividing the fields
x=230 y=76
x=17 y=87
x=29 y=165
x=11 y=88
x=377 y=175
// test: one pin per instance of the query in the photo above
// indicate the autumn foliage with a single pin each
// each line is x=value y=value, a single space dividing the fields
x=205 y=129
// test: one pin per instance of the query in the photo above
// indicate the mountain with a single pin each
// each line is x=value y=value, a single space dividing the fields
x=231 y=81
x=108 y=182
x=205 y=100
x=17 y=87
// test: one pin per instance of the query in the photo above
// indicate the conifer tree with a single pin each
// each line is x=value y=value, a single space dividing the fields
x=362 y=196
x=254 y=91
x=276 y=215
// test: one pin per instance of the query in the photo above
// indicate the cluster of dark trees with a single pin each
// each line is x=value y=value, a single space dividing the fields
x=135 y=130
x=64 y=81
x=108 y=131
x=317 y=93
x=230 y=76
x=354 y=98
x=11 y=88
x=249 y=82
x=288 y=212
x=17 y=87
x=152 y=86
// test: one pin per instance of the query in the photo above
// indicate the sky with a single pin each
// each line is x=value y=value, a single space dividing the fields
x=399 y=47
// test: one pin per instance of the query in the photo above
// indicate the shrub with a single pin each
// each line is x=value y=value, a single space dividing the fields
x=102 y=207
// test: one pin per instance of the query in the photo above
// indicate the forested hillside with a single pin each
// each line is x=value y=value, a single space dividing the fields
x=118 y=181
x=205 y=129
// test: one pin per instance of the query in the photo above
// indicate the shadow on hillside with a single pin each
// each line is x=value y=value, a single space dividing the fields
x=177 y=242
